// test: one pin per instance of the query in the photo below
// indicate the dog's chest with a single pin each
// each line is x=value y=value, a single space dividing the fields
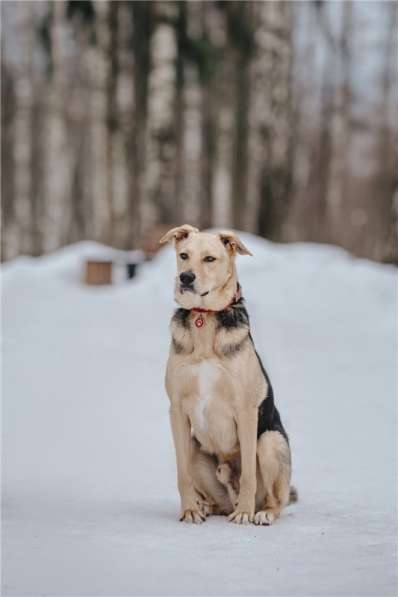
x=207 y=374
x=209 y=407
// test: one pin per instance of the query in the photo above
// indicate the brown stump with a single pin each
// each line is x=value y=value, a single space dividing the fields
x=98 y=272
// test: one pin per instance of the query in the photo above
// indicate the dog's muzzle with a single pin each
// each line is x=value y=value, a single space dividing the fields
x=187 y=279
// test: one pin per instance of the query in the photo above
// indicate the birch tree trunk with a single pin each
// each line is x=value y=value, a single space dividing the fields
x=9 y=232
x=303 y=209
x=259 y=114
x=387 y=187
x=163 y=113
x=340 y=124
x=112 y=120
x=222 y=181
x=191 y=186
x=23 y=133
x=142 y=15
x=212 y=37
x=37 y=213
x=57 y=162
x=208 y=148
x=240 y=17
x=276 y=177
x=322 y=156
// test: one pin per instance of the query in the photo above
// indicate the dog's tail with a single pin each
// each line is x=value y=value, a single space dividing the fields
x=293 y=495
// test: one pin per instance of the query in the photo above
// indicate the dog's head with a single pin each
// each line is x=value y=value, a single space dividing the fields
x=206 y=275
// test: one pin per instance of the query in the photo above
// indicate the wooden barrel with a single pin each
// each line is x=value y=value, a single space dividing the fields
x=98 y=272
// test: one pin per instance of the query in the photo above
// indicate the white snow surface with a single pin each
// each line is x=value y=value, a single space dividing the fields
x=90 y=505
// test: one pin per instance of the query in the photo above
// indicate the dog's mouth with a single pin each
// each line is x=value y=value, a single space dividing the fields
x=190 y=288
x=186 y=288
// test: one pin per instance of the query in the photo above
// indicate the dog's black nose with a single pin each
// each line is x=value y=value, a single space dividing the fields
x=187 y=278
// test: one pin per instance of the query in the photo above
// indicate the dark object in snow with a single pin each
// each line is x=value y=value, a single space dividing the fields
x=131 y=270
x=98 y=272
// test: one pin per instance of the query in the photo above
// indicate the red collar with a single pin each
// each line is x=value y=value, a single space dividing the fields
x=199 y=321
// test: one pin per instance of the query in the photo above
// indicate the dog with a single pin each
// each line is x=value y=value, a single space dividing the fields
x=232 y=451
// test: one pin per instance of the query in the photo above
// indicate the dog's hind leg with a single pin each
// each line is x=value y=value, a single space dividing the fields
x=275 y=470
x=224 y=474
x=204 y=472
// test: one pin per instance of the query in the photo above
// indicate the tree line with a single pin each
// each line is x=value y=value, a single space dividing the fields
x=118 y=116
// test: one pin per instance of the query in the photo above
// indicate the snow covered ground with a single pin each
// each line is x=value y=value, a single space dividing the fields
x=90 y=503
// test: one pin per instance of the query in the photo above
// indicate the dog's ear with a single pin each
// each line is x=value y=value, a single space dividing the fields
x=233 y=243
x=178 y=233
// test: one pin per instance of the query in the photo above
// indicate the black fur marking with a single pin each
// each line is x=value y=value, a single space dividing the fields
x=231 y=349
x=236 y=316
x=177 y=346
x=181 y=317
x=268 y=415
x=233 y=317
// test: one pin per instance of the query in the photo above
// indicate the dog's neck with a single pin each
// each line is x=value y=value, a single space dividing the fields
x=199 y=321
x=234 y=300
x=203 y=332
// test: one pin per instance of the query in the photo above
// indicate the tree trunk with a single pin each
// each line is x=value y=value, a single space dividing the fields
x=386 y=248
x=276 y=133
x=340 y=126
x=322 y=153
x=112 y=122
x=208 y=143
x=208 y=116
x=142 y=15
x=239 y=17
x=57 y=188
x=163 y=114
x=37 y=217
x=9 y=234
x=240 y=155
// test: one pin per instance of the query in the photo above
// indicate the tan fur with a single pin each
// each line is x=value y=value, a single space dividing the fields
x=225 y=475
x=216 y=396
x=218 y=277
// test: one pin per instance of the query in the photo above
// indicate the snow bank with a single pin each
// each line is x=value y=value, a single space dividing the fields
x=90 y=501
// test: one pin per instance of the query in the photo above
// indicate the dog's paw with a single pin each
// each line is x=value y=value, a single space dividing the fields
x=264 y=517
x=223 y=473
x=193 y=515
x=241 y=516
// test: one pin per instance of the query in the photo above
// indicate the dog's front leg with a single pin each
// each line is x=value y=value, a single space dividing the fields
x=190 y=500
x=247 y=431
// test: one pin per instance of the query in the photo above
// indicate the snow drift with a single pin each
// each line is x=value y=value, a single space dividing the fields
x=90 y=503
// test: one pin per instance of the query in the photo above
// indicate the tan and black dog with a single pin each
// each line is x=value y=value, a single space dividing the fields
x=232 y=452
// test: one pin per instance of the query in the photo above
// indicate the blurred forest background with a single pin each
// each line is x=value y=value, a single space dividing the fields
x=279 y=118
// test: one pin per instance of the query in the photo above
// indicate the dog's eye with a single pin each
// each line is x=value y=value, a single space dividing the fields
x=184 y=256
x=209 y=259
